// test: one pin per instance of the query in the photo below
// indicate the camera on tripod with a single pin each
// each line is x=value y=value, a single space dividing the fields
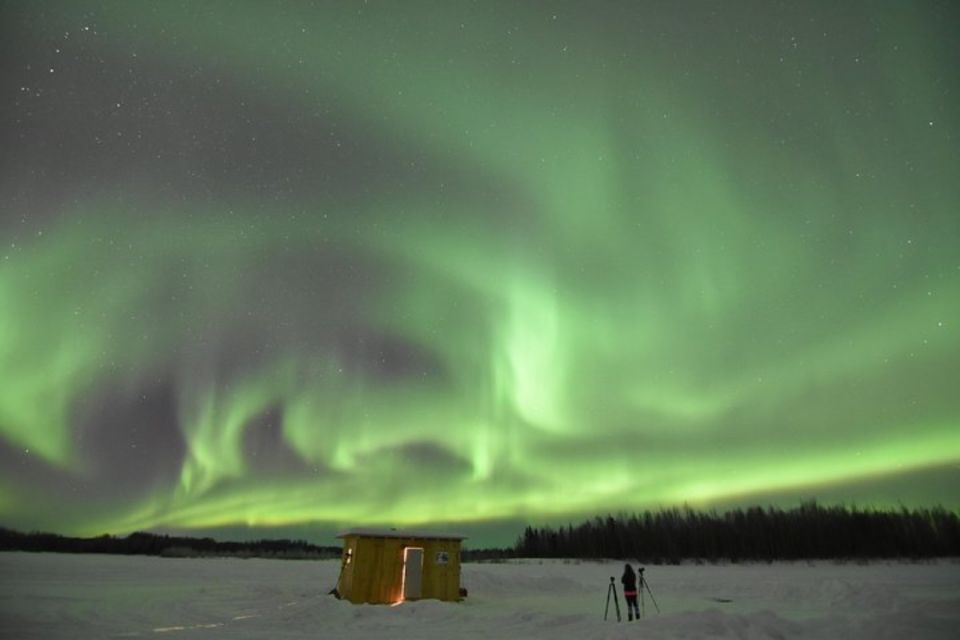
x=633 y=584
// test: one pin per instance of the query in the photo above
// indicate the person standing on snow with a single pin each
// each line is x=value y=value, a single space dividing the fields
x=629 y=580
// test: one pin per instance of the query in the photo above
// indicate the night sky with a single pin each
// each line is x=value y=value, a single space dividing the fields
x=273 y=266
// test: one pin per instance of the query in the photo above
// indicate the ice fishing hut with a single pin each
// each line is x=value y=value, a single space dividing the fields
x=388 y=566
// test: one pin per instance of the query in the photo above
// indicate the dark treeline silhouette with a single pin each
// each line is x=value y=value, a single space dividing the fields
x=150 y=544
x=756 y=534
x=667 y=536
x=487 y=555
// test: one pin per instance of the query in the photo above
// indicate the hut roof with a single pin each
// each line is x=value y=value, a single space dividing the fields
x=400 y=533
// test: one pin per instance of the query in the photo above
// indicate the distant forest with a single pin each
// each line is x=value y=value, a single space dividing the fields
x=756 y=534
x=668 y=536
x=150 y=544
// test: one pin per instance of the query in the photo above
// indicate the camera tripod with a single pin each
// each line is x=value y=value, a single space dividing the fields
x=612 y=590
x=642 y=584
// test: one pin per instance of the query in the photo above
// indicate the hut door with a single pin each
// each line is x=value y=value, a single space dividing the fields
x=412 y=572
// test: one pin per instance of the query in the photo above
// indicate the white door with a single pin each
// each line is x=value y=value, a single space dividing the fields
x=412 y=572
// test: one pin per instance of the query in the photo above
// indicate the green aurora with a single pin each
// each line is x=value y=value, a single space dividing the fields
x=274 y=264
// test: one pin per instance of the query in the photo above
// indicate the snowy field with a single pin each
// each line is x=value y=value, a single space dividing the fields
x=88 y=596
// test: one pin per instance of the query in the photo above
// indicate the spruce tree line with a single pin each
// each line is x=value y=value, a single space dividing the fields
x=151 y=544
x=810 y=531
x=755 y=534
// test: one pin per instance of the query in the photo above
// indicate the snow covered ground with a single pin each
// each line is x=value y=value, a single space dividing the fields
x=88 y=596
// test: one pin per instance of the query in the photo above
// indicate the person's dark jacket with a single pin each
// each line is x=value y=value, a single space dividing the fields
x=629 y=580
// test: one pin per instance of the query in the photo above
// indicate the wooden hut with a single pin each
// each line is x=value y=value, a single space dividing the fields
x=388 y=566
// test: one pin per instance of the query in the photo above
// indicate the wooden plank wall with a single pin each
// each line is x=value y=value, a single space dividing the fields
x=375 y=574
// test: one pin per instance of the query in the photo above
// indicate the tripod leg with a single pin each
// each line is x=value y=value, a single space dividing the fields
x=616 y=602
x=606 y=609
x=654 y=600
x=643 y=604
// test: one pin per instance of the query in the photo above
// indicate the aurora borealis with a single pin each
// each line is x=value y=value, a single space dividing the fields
x=323 y=264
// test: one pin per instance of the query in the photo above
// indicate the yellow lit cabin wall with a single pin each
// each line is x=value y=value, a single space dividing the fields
x=345 y=583
x=375 y=573
x=441 y=581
